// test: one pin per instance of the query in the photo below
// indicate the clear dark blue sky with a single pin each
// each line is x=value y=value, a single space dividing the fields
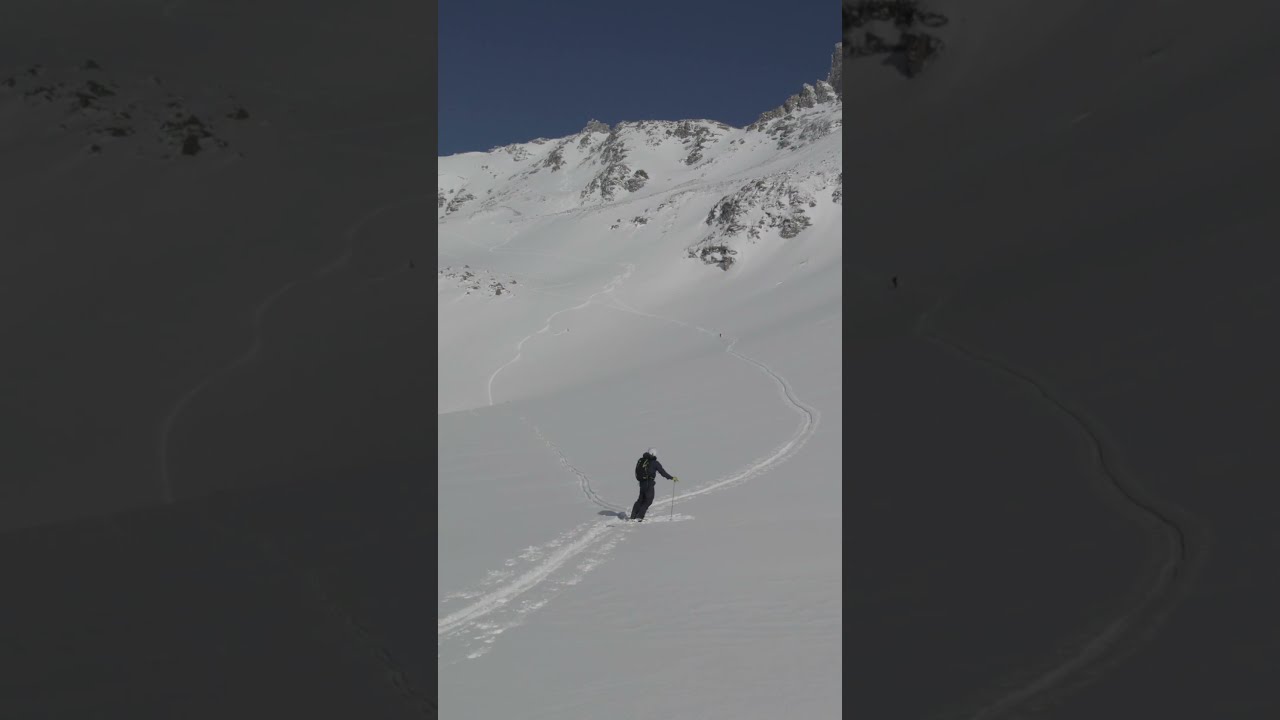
x=513 y=71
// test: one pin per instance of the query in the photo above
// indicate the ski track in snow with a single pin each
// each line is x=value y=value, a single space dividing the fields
x=583 y=481
x=351 y=235
x=608 y=288
x=499 y=600
x=477 y=626
x=565 y=548
x=806 y=429
x=1183 y=557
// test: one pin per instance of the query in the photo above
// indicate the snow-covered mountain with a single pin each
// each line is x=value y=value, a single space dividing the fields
x=670 y=284
x=770 y=176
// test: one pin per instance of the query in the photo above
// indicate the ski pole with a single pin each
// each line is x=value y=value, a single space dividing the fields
x=673 y=502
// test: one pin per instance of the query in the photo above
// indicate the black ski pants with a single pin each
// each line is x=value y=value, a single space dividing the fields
x=645 y=500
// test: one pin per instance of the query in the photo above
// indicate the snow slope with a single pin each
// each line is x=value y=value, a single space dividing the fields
x=1068 y=403
x=670 y=284
x=146 y=293
x=215 y=419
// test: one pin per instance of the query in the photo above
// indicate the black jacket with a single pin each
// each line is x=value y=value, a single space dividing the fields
x=653 y=468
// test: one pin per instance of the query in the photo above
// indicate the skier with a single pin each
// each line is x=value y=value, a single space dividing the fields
x=895 y=282
x=647 y=468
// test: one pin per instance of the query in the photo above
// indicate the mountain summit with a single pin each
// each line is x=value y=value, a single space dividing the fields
x=760 y=184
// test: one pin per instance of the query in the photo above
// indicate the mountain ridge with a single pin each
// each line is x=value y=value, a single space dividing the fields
x=768 y=176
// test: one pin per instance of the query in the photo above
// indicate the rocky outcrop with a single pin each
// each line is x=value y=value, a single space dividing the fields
x=790 y=125
x=120 y=110
x=458 y=201
x=695 y=136
x=555 y=159
x=794 y=132
x=615 y=173
x=894 y=28
x=478 y=282
x=766 y=204
x=720 y=256
x=834 y=77
x=517 y=151
x=594 y=127
x=599 y=173
x=902 y=13
x=636 y=181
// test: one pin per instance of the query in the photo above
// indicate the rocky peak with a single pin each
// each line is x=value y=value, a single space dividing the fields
x=776 y=203
x=806 y=98
x=595 y=126
x=834 y=77
x=612 y=154
x=827 y=91
x=879 y=20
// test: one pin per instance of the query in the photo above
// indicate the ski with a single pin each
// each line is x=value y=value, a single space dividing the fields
x=678 y=517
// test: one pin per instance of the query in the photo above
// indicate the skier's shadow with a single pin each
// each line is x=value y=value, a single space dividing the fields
x=610 y=513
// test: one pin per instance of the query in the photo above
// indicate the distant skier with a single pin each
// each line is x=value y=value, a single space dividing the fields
x=647 y=468
x=895 y=282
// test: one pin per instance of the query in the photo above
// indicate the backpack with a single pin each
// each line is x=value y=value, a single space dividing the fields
x=642 y=467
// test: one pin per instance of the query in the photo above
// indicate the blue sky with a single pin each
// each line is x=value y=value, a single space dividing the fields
x=513 y=71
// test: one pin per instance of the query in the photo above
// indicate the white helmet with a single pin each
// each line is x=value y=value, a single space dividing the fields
x=652 y=451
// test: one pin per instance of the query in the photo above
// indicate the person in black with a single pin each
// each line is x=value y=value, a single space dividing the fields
x=647 y=469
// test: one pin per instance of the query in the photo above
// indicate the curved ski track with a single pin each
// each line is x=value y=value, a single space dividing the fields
x=351 y=234
x=583 y=481
x=1182 y=558
x=608 y=288
x=586 y=535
